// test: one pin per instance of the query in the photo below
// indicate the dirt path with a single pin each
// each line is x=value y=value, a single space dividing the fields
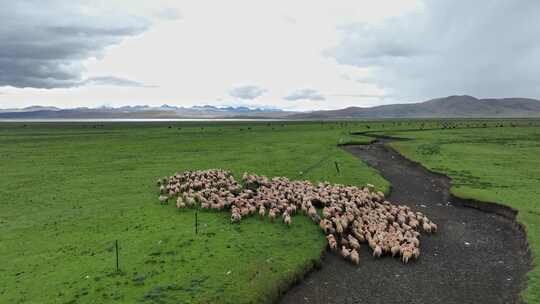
x=477 y=257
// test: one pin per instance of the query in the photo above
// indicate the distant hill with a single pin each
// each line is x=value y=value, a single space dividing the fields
x=30 y=109
x=447 y=107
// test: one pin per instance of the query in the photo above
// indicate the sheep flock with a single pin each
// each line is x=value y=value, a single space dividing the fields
x=350 y=215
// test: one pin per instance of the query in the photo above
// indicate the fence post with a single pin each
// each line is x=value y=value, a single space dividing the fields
x=117 y=265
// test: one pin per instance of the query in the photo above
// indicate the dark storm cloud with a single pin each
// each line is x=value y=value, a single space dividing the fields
x=42 y=43
x=308 y=94
x=247 y=92
x=483 y=48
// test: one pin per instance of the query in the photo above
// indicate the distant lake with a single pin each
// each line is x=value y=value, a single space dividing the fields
x=134 y=119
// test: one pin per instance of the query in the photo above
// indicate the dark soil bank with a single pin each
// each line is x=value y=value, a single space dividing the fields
x=476 y=257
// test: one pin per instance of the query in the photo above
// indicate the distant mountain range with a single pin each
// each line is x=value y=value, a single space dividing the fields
x=447 y=107
x=165 y=111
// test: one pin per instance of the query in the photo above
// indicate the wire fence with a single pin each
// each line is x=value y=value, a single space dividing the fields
x=318 y=164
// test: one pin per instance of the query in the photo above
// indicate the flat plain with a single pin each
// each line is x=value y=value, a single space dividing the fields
x=69 y=191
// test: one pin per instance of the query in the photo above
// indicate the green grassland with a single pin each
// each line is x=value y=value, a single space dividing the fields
x=498 y=164
x=68 y=191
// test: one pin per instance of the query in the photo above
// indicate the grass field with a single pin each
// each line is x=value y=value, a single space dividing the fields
x=68 y=191
x=490 y=164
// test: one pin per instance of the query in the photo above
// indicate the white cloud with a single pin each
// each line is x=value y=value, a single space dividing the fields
x=247 y=92
x=305 y=94
x=113 y=81
x=194 y=52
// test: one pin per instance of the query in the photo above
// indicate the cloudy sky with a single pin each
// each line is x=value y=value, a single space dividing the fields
x=298 y=55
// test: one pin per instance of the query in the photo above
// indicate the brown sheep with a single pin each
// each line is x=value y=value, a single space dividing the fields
x=433 y=227
x=407 y=254
x=262 y=212
x=345 y=252
x=354 y=215
x=163 y=199
x=272 y=215
x=312 y=212
x=180 y=203
x=377 y=252
x=427 y=227
x=339 y=228
x=331 y=242
x=236 y=217
x=355 y=258
x=287 y=219
x=353 y=242
x=394 y=250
